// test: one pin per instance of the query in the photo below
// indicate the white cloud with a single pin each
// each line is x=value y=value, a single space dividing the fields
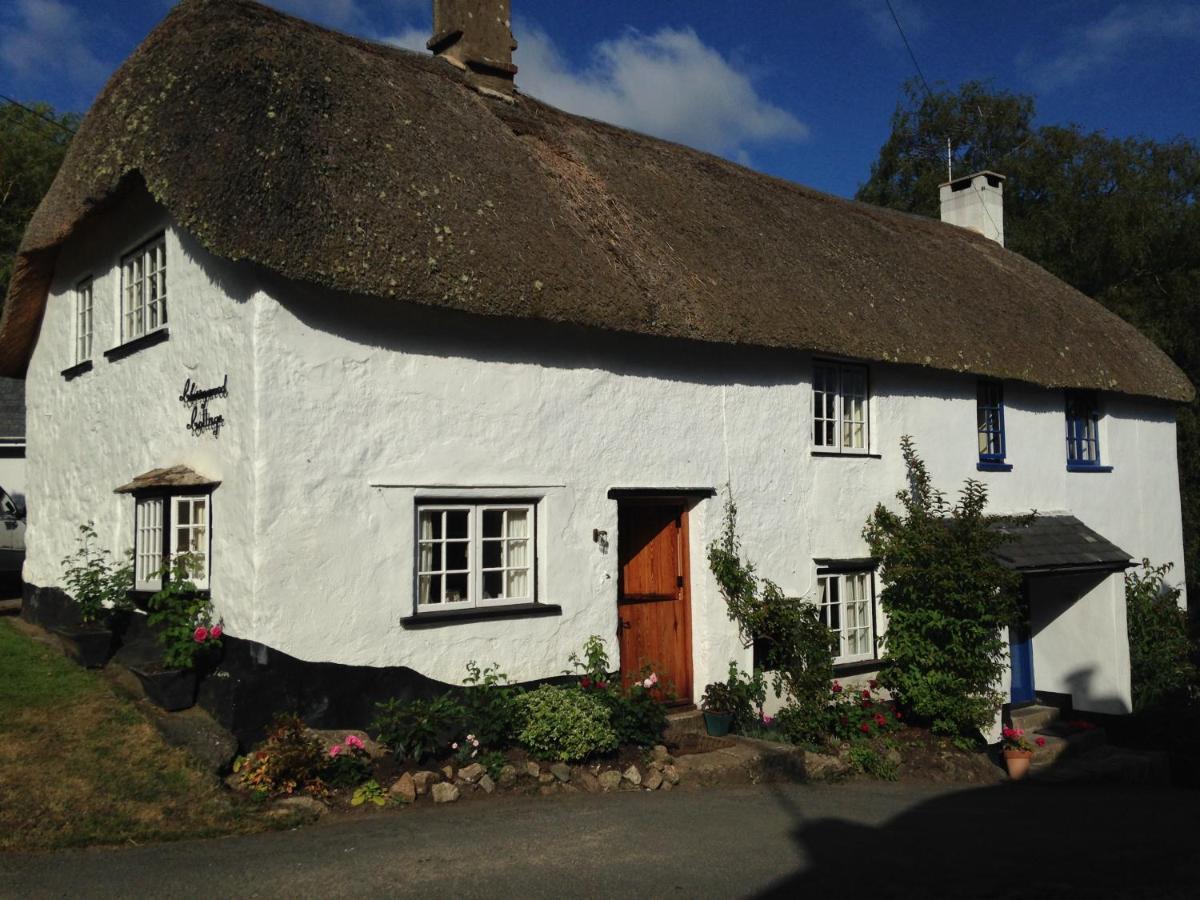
x=1119 y=33
x=410 y=39
x=669 y=84
x=44 y=41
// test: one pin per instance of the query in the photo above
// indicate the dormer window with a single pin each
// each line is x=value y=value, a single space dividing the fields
x=989 y=426
x=144 y=289
x=1083 y=433
x=840 y=408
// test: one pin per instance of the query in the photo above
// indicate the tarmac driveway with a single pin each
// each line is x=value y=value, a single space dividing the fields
x=862 y=839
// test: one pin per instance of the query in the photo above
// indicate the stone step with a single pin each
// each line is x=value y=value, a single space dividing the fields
x=1034 y=718
x=689 y=721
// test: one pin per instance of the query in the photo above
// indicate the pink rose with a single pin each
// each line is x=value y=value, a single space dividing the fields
x=647 y=684
x=353 y=740
x=200 y=635
x=335 y=749
x=837 y=687
x=1040 y=741
x=767 y=720
x=216 y=632
x=654 y=678
x=454 y=746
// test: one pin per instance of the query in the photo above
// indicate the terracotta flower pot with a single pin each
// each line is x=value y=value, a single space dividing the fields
x=1018 y=762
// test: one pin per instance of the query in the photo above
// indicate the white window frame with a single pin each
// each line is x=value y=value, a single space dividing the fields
x=148 y=523
x=84 y=320
x=866 y=579
x=156 y=518
x=143 y=273
x=199 y=579
x=474 y=540
x=837 y=379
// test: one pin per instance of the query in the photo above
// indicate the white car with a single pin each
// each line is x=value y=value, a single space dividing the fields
x=12 y=534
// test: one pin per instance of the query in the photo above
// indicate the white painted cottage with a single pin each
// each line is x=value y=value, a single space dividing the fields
x=434 y=372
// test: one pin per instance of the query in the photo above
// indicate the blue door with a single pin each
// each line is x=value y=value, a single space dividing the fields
x=1020 y=649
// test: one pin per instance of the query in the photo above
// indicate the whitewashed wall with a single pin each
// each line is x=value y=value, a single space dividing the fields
x=343 y=410
x=95 y=432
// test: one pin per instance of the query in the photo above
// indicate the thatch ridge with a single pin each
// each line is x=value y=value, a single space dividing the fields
x=377 y=171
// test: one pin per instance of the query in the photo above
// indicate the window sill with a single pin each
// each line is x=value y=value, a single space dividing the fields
x=149 y=339
x=1071 y=468
x=858 y=667
x=76 y=370
x=453 y=616
x=984 y=466
x=841 y=455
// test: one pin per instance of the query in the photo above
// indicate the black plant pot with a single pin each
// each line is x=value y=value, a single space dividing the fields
x=169 y=689
x=91 y=647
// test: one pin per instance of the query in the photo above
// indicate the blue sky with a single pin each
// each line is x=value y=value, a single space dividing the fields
x=796 y=88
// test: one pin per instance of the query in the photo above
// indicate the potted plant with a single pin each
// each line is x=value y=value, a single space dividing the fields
x=183 y=618
x=99 y=587
x=718 y=703
x=1018 y=752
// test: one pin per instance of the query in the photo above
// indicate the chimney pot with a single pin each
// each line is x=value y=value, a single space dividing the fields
x=975 y=202
x=476 y=36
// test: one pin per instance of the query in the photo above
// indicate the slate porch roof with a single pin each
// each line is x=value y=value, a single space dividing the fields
x=1059 y=544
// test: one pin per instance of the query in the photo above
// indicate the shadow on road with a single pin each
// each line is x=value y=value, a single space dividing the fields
x=1009 y=840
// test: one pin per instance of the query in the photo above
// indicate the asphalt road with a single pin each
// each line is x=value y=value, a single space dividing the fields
x=875 y=840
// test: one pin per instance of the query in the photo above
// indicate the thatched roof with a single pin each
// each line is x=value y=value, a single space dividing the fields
x=373 y=170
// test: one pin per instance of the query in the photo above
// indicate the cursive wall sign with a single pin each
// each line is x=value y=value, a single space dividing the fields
x=197 y=398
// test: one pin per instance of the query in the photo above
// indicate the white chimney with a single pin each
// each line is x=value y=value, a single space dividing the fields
x=975 y=202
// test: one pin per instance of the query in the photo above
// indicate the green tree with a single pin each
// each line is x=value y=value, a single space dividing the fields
x=1116 y=218
x=31 y=150
x=947 y=598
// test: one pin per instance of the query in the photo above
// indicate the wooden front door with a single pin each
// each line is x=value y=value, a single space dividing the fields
x=654 y=595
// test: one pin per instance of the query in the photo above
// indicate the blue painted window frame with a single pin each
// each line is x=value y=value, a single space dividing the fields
x=989 y=426
x=1083 y=433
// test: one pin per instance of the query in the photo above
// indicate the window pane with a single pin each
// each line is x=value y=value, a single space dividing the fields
x=456 y=587
x=492 y=555
x=518 y=523
x=456 y=555
x=457 y=523
x=493 y=585
x=518 y=583
x=517 y=553
x=431 y=589
x=493 y=523
x=430 y=525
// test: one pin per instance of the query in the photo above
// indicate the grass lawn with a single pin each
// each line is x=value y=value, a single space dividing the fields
x=80 y=765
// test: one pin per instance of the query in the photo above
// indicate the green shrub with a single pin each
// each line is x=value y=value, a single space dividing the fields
x=564 y=723
x=1159 y=647
x=798 y=646
x=95 y=581
x=182 y=615
x=861 y=714
x=636 y=713
x=417 y=728
x=868 y=760
x=489 y=705
x=947 y=599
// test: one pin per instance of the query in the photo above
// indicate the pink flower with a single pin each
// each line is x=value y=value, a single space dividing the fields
x=865 y=728
x=767 y=720
x=872 y=684
x=216 y=632
x=353 y=740
x=647 y=684
x=585 y=683
x=454 y=746
x=866 y=695
x=1040 y=741
x=474 y=743
x=335 y=749
x=654 y=678
x=602 y=685
x=837 y=687
x=200 y=635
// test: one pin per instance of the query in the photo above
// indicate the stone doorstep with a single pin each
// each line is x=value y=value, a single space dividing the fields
x=1034 y=718
x=689 y=721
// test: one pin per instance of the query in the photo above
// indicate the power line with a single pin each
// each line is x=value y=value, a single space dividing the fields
x=909 y=48
x=34 y=112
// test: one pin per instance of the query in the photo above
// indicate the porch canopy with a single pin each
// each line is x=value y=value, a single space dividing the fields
x=1059 y=544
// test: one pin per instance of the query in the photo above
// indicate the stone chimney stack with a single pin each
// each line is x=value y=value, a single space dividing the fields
x=975 y=202
x=476 y=36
